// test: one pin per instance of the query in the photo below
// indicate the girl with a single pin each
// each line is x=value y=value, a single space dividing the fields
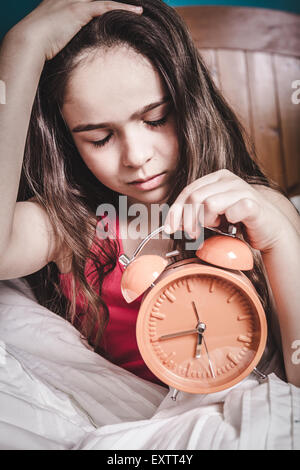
x=116 y=101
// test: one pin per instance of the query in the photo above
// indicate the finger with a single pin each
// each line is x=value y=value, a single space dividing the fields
x=247 y=211
x=190 y=220
x=173 y=219
x=98 y=8
x=105 y=3
x=218 y=204
x=206 y=180
x=215 y=205
x=210 y=217
x=197 y=193
x=85 y=12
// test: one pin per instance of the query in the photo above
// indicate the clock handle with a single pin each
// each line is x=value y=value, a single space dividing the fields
x=141 y=272
x=124 y=260
x=232 y=230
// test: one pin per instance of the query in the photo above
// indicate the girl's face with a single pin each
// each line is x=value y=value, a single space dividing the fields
x=123 y=125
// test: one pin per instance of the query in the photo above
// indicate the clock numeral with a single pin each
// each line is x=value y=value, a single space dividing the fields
x=168 y=359
x=232 y=297
x=158 y=315
x=189 y=370
x=183 y=371
x=212 y=285
x=157 y=348
x=154 y=338
x=232 y=358
x=244 y=339
x=189 y=285
x=244 y=317
x=171 y=297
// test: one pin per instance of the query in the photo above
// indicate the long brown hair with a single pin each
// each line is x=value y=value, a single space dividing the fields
x=209 y=134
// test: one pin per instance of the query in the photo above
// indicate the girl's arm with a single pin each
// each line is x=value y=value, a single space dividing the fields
x=273 y=227
x=20 y=68
x=38 y=37
x=282 y=263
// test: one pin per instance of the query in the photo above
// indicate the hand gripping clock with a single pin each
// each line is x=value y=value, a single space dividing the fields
x=201 y=327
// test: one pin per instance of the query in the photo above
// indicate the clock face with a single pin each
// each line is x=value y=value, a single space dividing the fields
x=201 y=333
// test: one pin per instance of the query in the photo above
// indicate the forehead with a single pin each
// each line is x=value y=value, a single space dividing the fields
x=112 y=81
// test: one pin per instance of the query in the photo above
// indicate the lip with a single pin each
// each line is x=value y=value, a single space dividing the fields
x=149 y=183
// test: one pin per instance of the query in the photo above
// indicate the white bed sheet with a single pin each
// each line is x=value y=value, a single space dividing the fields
x=56 y=394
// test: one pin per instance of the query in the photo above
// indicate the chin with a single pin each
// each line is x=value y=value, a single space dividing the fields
x=157 y=196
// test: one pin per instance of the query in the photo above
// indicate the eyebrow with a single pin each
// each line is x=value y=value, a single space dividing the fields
x=149 y=107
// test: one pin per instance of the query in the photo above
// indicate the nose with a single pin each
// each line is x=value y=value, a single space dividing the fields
x=136 y=150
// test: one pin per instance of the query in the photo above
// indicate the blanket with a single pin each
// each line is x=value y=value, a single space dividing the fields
x=56 y=393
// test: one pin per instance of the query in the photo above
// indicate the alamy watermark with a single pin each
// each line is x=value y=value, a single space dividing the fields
x=2 y=92
x=138 y=222
x=295 y=98
x=296 y=353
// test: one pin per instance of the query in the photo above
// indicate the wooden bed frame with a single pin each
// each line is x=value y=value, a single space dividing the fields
x=254 y=57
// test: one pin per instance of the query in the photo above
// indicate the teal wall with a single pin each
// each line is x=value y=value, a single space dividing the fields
x=285 y=5
x=13 y=10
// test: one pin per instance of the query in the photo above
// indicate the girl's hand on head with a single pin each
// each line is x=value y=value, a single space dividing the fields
x=54 y=23
x=224 y=194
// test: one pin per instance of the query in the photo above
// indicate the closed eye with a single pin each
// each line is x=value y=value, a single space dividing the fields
x=160 y=122
x=101 y=143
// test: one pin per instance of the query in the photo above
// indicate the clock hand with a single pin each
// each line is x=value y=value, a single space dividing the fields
x=180 y=333
x=195 y=310
x=209 y=361
x=200 y=328
x=198 y=347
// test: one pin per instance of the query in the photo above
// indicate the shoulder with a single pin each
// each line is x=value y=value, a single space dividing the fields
x=62 y=254
x=282 y=203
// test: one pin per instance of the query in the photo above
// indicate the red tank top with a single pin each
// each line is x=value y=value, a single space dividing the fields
x=119 y=336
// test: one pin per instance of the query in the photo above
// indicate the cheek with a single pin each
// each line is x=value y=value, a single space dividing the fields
x=98 y=165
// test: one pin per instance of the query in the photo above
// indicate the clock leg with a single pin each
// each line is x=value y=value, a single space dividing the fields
x=174 y=394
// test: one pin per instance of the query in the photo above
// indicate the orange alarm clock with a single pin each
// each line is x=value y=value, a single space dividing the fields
x=201 y=327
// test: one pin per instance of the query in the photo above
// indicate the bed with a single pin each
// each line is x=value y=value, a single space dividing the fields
x=57 y=394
